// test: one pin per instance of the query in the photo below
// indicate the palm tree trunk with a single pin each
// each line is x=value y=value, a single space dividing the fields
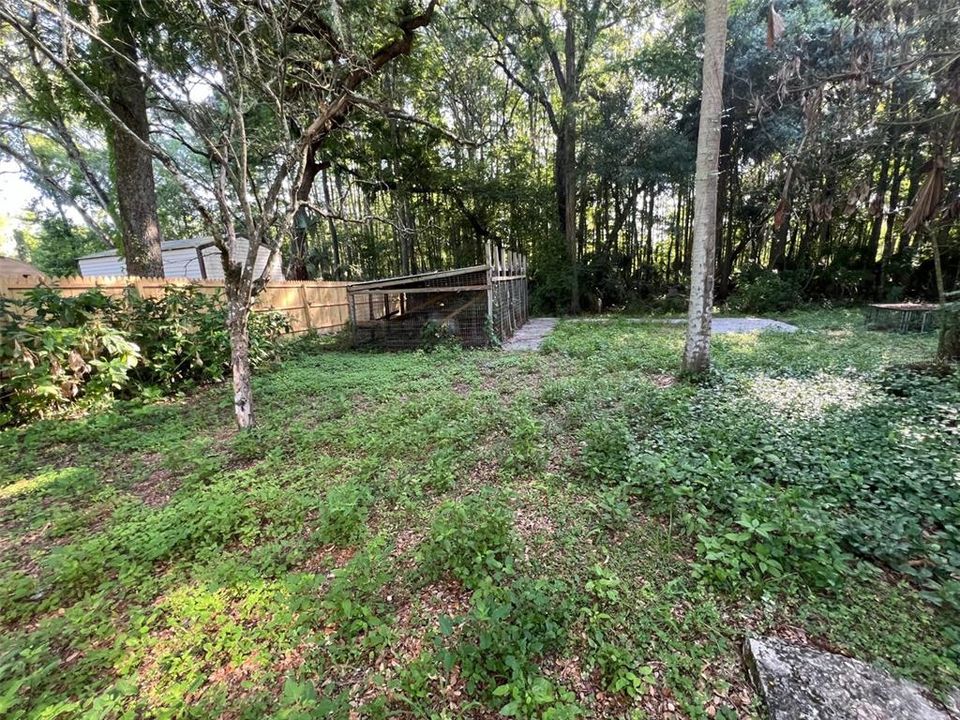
x=696 y=354
x=569 y=161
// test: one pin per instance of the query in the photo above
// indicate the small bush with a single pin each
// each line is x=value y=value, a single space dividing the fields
x=436 y=334
x=764 y=291
x=948 y=348
x=507 y=631
x=609 y=454
x=345 y=513
x=469 y=539
x=183 y=336
x=354 y=601
x=612 y=507
x=527 y=454
x=778 y=540
x=622 y=672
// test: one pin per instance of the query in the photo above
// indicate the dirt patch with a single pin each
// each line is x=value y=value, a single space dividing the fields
x=416 y=618
x=531 y=523
x=462 y=389
x=663 y=381
x=156 y=490
x=570 y=672
x=484 y=472
x=564 y=450
x=327 y=559
x=407 y=540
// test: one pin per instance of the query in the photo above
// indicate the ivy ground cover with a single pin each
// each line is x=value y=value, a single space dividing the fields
x=574 y=533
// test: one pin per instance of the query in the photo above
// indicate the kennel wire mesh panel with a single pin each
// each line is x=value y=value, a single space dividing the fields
x=508 y=291
x=418 y=310
x=475 y=306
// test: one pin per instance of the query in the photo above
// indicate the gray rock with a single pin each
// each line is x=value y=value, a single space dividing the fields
x=800 y=683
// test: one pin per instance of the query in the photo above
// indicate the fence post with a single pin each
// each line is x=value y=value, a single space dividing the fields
x=352 y=310
x=306 y=305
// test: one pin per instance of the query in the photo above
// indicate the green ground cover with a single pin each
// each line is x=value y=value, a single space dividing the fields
x=575 y=533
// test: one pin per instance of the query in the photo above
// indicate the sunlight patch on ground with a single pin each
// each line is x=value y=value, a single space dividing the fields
x=809 y=398
x=31 y=484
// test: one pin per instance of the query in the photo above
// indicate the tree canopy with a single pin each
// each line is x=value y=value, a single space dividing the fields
x=565 y=129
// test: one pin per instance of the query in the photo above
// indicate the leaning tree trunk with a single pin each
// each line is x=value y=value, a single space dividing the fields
x=132 y=161
x=238 y=316
x=301 y=219
x=696 y=354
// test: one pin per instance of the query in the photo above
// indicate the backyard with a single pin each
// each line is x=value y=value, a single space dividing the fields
x=570 y=533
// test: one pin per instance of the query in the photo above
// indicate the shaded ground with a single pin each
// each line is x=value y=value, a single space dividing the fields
x=570 y=533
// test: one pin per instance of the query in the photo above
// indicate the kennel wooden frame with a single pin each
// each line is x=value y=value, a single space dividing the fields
x=477 y=306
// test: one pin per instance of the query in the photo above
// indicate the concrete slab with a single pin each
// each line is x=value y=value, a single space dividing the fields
x=801 y=683
x=744 y=325
x=720 y=324
x=530 y=337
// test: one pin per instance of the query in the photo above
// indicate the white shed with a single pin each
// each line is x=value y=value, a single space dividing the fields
x=195 y=258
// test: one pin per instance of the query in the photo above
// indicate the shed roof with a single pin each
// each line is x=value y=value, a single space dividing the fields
x=413 y=279
x=165 y=245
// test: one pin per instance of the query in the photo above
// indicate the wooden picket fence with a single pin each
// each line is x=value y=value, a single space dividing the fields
x=312 y=305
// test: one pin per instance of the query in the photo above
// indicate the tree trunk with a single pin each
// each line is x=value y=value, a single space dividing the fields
x=696 y=354
x=334 y=238
x=407 y=235
x=132 y=162
x=569 y=160
x=238 y=314
x=648 y=252
x=301 y=220
x=723 y=205
x=876 y=227
x=891 y=216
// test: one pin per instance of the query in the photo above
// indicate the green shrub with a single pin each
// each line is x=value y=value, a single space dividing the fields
x=527 y=454
x=354 y=601
x=507 y=631
x=56 y=350
x=469 y=539
x=948 y=349
x=60 y=353
x=183 y=337
x=621 y=671
x=436 y=334
x=609 y=452
x=778 y=539
x=612 y=507
x=345 y=513
x=764 y=291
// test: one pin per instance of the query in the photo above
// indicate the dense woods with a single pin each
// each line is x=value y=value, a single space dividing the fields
x=565 y=130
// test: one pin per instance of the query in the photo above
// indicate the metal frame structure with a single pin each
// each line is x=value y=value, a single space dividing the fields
x=477 y=306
